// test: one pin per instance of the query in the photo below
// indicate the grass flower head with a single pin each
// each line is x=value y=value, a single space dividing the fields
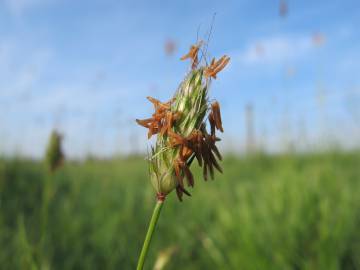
x=182 y=131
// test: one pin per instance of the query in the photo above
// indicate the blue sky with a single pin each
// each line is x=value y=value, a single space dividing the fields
x=85 y=67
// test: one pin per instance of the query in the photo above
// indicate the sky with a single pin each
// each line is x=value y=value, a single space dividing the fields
x=85 y=68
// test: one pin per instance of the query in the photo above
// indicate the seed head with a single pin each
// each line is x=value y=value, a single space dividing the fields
x=54 y=152
x=180 y=126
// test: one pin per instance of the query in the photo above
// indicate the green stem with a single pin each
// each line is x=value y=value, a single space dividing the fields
x=153 y=221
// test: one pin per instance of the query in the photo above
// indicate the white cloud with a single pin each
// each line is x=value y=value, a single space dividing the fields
x=21 y=68
x=5 y=50
x=18 y=7
x=276 y=49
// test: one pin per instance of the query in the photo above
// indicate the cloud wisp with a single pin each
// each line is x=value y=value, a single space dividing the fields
x=18 y=7
x=276 y=49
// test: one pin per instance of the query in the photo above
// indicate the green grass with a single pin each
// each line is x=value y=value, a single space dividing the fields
x=285 y=212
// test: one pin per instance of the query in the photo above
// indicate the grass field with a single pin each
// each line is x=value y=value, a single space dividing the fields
x=284 y=212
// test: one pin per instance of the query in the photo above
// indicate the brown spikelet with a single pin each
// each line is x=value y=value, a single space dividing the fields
x=216 y=66
x=216 y=115
x=193 y=55
x=189 y=176
x=162 y=119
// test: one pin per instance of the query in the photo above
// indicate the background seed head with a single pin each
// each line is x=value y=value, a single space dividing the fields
x=54 y=153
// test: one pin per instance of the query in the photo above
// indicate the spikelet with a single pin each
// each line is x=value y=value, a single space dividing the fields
x=180 y=125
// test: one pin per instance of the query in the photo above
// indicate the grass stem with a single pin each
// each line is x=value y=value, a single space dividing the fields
x=149 y=234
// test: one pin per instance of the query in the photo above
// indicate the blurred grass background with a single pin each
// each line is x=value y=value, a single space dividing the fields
x=264 y=212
